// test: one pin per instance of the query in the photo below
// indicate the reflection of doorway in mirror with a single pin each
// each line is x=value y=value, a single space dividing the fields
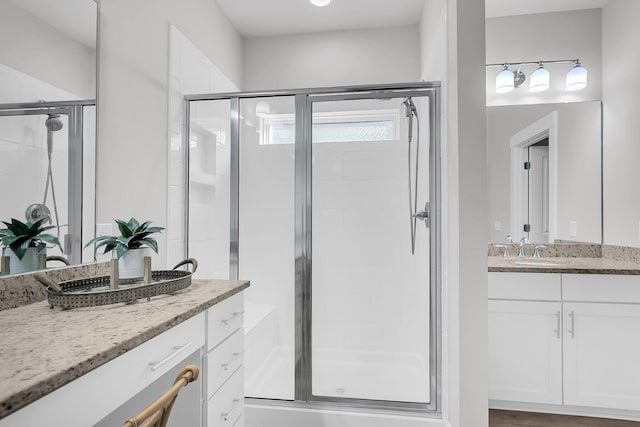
x=539 y=191
x=534 y=191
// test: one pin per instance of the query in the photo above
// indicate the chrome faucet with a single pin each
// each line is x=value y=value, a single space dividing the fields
x=521 y=248
x=505 y=250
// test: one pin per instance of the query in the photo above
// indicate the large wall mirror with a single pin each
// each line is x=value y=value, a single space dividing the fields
x=47 y=118
x=545 y=172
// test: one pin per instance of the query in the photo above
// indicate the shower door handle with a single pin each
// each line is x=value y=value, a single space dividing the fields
x=423 y=215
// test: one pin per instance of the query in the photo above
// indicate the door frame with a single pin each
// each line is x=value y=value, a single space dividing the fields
x=519 y=143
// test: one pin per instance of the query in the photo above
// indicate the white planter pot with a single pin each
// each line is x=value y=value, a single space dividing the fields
x=29 y=261
x=131 y=264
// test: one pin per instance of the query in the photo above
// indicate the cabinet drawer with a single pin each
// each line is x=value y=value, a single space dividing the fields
x=240 y=422
x=159 y=355
x=601 y=288
x=223 y=319
x=525 y=286
x=224 y=360
x=226 y=406
x=93 y=396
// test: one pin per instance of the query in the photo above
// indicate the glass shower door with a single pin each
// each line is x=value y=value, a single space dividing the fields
x=266 y=242
x=370 y=323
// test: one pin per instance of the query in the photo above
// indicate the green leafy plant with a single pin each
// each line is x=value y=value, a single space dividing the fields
x=133 y=235
x=20 y=236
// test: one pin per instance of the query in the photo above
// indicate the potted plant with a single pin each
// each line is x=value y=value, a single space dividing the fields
x=22 y=242
x=130 y=247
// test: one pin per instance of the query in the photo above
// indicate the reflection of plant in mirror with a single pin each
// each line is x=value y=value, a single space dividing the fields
x=20 y=236
x=133 y=235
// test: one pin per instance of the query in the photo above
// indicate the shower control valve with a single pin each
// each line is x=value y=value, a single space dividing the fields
x=423 y=215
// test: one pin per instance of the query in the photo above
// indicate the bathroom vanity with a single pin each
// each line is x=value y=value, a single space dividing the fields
x=564 y=336
x=85 y=367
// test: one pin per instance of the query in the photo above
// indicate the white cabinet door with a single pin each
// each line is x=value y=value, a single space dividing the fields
x=602 y=355
x=525 y=351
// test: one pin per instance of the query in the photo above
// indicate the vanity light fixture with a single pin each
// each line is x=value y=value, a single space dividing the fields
x=576 y=77
x=539 y=79
x=507 y=80
x=320 y=3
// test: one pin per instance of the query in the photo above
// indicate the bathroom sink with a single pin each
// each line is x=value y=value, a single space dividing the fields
x=540 y=263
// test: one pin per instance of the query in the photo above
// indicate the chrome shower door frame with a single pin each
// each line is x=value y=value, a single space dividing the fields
x=304 y=285
x=304 y=98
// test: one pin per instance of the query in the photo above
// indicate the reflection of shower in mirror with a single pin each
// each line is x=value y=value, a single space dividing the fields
x=40 y=211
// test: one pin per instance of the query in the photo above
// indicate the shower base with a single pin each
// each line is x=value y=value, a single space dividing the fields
x=342 y=374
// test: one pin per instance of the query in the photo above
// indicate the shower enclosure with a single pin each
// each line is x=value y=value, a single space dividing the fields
x=305 y=193
x=47 y=169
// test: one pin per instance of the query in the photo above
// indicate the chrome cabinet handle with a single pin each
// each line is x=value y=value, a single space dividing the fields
x=235 y=314
x=557 y=329
x=225 y=366
x=227 y=415
x=572 y=329
x=177 y=350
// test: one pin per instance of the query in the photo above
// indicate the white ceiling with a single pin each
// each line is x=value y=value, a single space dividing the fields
x=494 y=8
x=260 y=18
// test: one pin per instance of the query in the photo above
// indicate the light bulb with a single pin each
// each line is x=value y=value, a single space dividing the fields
x=320 y=3
x=539 y=80
x=505 y=80
x=576 y=77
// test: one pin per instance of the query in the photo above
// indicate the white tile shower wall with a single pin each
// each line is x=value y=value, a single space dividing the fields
x=190 y=72
x=360 y=206
x=267 y=220
x=369 y=293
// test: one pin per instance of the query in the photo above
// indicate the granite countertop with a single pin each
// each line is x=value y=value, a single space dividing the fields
x=574 y=265
x=43 y=349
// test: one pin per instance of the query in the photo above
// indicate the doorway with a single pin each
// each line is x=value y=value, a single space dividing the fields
x=534 y=180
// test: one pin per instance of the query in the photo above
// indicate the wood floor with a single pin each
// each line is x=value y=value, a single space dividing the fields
x=530 y=419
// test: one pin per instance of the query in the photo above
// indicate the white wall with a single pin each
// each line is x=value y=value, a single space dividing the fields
x=546 y=36
x=467 y=207
x=339 y=58
x=579 y=178
x=460 y=67
x=621 y=87
x=133 y=93
x=32 y=46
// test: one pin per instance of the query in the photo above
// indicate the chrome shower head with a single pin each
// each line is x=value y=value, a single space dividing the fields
x=53 y=123
x=409 y=107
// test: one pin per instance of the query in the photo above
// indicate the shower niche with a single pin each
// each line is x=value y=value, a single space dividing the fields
x=318 y=200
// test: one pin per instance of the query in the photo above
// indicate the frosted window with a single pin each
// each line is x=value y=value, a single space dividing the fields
x=341 y=126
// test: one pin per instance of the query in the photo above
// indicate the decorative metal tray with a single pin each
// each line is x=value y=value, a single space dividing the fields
x=96 y=291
